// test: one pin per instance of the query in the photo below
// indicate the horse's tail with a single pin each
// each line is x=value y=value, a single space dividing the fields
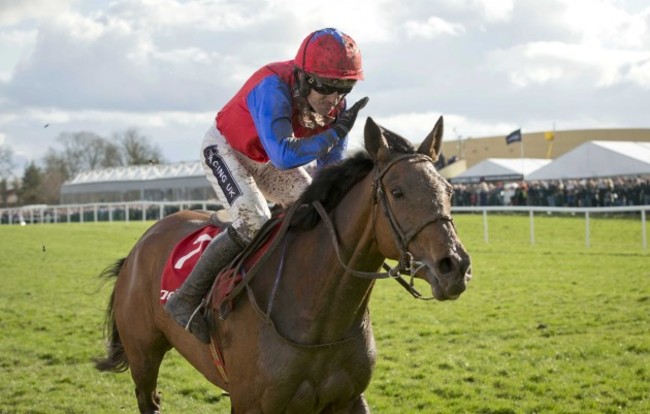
x=115 y=360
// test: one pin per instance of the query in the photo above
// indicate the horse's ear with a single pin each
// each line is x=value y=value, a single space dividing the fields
x=375 y=142
x=432 y=143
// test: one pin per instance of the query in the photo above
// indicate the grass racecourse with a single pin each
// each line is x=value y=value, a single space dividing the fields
x=554 y=327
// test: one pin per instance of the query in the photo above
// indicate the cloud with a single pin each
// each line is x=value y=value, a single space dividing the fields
x=109 y=63
x=141 y=55
x=14 y=12
x=548 y=62
x=432 y=27
x=607 y=24
x=640 y=73
x=14 y=44
x=167 y=66
x=494 y=10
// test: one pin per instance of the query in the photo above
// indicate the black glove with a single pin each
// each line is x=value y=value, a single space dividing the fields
x=346 y=120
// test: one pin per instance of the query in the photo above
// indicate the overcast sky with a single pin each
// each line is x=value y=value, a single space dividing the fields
x=167 y=66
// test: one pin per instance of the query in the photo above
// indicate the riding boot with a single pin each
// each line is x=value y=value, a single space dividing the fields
x=184 y=306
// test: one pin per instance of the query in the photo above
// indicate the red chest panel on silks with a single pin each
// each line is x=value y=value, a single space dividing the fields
x=182 y=259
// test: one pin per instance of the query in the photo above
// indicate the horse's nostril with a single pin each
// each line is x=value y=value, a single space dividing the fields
x=445 y=265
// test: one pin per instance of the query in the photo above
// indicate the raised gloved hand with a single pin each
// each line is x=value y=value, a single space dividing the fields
x=346 y=120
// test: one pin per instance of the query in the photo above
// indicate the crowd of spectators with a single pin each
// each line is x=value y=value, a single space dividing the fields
x=591 y=192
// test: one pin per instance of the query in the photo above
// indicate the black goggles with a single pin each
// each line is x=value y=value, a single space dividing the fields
x=318 y=86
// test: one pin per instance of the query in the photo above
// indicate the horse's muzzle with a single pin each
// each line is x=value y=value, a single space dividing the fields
x=449 y=276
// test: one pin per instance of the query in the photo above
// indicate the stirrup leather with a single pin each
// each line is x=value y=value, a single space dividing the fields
x=200 y=311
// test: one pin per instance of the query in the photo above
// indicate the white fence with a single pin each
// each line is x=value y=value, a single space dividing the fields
x=95 y=212
x=586 y=211
x=149 y=210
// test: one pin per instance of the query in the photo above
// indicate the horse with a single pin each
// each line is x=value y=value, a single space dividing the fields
x=299 y=338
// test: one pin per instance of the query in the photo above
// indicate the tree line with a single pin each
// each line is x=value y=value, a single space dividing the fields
x=80 y=151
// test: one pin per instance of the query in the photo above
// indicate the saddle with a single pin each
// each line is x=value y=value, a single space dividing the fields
x=225 y=289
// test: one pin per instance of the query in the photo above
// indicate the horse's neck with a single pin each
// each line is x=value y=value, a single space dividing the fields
x=323 y=301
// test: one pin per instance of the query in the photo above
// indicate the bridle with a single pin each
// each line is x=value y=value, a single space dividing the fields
x=406 y=263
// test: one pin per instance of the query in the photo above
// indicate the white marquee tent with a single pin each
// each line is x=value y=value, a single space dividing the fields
x=500 y=169
x=598 y=159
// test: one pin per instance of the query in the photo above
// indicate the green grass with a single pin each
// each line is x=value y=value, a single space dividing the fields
x=553 y=327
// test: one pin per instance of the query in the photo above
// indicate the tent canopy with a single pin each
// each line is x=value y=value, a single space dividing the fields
x=500 y=169
x=598 y=159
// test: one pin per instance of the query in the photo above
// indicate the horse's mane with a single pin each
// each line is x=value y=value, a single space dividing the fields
x=331 y=184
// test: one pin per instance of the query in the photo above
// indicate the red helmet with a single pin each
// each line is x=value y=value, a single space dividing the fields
x=330 y=53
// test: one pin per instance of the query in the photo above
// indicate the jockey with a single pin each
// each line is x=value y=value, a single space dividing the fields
x=286 y=115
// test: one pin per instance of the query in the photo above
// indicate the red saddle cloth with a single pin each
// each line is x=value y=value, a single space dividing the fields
x=183 y=257
x=186 y=253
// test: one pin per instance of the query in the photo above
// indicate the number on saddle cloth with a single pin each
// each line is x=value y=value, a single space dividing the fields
x=183 y=258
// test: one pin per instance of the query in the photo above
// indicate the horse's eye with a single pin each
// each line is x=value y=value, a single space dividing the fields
x=397 y=193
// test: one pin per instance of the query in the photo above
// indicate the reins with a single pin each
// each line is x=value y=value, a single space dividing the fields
x=391 y=272
x=406 y=265
x=258 y=241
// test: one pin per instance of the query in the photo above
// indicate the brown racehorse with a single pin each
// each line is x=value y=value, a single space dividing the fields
x=299 y=339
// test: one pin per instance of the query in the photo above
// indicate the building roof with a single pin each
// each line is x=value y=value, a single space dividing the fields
x=599 y=159
x=500 y=169
x=139 y=173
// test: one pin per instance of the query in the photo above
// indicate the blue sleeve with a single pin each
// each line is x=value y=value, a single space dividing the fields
x=334 y=156
x=269 y=104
